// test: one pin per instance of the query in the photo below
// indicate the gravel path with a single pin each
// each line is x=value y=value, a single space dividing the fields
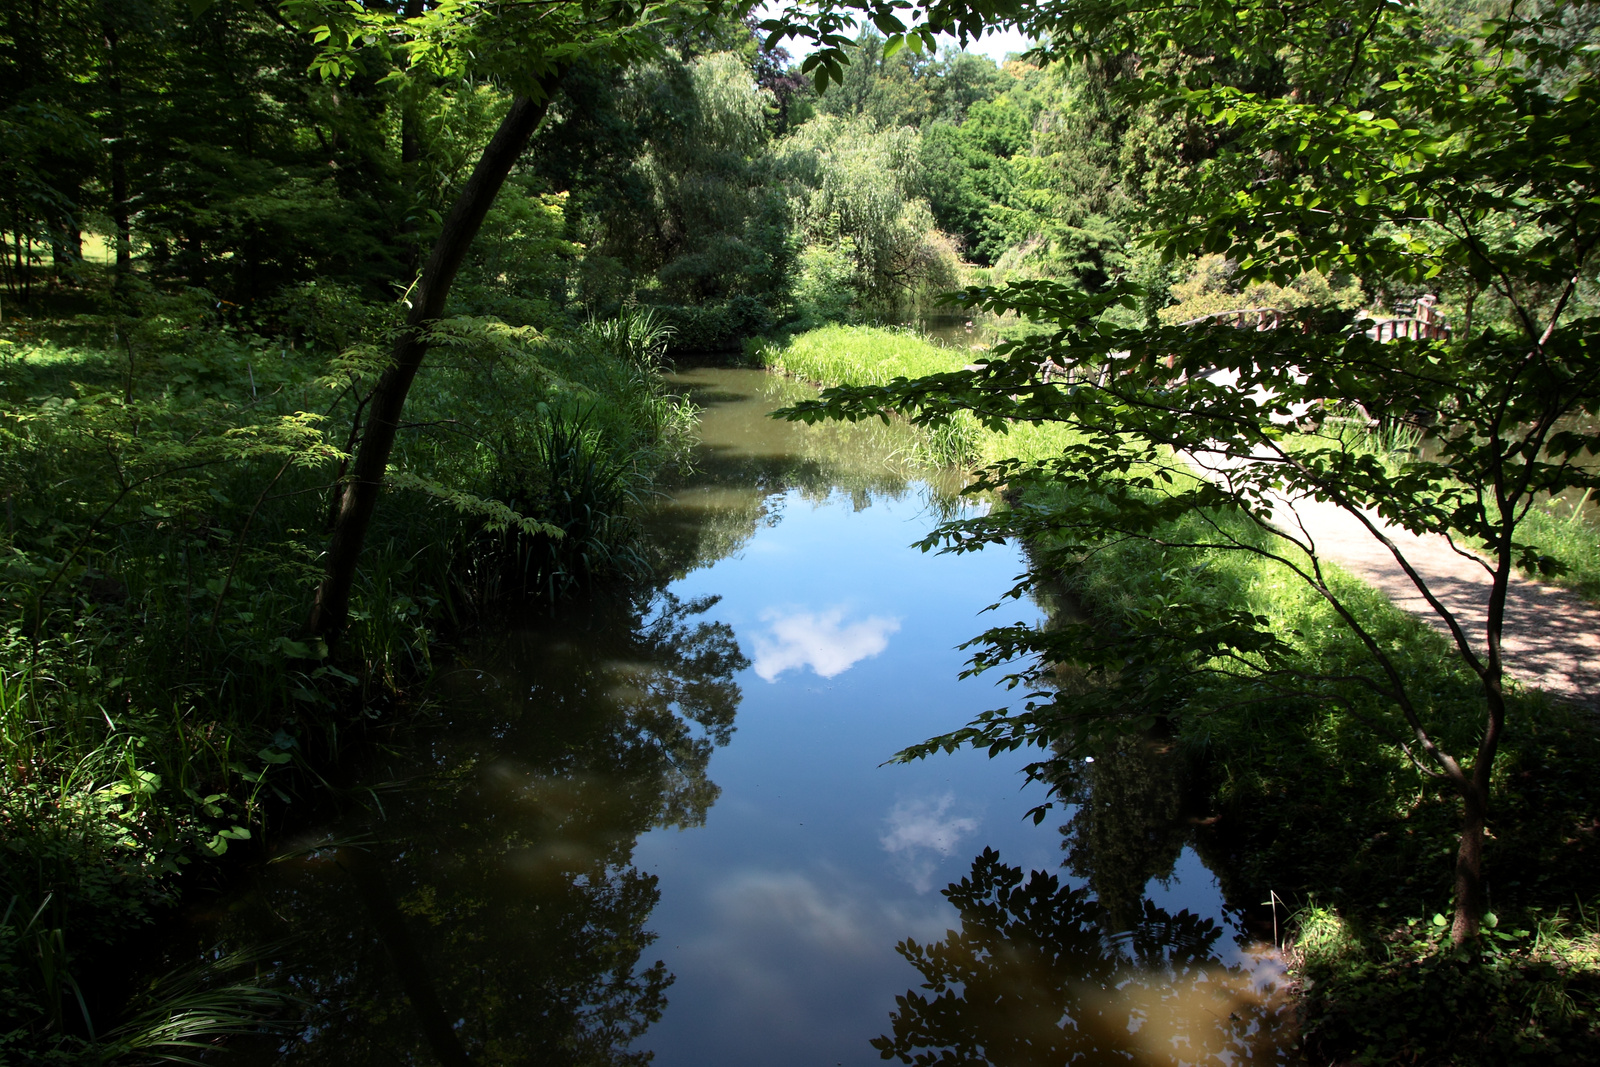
x=1551 y=637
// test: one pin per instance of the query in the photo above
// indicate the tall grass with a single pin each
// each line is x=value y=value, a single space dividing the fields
x=1564 y=529
x=859 y=355
x=875 y=355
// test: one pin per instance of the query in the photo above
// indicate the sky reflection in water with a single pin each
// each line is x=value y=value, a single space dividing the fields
x=780 y=917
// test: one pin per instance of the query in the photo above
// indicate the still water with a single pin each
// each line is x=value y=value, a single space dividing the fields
x=661 y=824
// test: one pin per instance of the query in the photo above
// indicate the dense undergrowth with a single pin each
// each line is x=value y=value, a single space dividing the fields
x=1316 y=808
x=1313 y=809
x=168 y=474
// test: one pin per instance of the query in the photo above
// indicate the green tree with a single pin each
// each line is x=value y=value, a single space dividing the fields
x=854 y=189
x=1384 y=153
x=529 y=48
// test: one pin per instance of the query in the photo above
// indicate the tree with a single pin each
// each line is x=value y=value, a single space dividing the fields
x=528 y=47
x=1383 y=151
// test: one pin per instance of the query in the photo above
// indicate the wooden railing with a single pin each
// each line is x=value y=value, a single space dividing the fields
x=1243 y=318
x=1422 y=326
x=1408 y=329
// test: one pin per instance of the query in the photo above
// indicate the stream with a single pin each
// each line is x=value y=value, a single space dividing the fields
x=661 y=822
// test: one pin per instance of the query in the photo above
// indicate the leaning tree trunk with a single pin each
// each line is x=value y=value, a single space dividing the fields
x=359 y=498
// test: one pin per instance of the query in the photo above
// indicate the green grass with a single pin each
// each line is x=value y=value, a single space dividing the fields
x=1562 y=529
x=876 y=355
x=861 y=355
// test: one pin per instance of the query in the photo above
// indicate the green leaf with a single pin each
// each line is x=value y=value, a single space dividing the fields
x=888 y=24
x=292 y=649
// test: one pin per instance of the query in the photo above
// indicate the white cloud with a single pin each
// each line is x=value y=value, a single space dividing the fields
x=919 y=829
x=782 y=946
x=819 y=640
x=791 y=906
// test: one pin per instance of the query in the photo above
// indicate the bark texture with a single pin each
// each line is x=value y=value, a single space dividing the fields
x=387 y=403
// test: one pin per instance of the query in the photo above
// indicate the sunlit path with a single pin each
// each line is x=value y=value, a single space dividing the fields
x=1551 y=637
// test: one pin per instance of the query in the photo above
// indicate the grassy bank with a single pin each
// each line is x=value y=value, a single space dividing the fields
x=1565 y=531
x=1305 y=804
x=168 y=476
x=874 y=355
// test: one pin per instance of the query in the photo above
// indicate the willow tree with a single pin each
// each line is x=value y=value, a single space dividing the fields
x=1378 y=151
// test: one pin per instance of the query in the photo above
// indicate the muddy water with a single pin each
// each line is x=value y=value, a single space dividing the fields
x=661 y=823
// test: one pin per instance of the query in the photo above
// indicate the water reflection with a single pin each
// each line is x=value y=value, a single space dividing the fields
x=921 y=831
x=1129 y=822
x=744 y=454
x=821 y=640
x=1031 y=978
x=488 y=891
x=484 y=904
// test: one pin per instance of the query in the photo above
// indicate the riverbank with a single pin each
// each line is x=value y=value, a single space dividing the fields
x=168 y=477
x=1309 y=807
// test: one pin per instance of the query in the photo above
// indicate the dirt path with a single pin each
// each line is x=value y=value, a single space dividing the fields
x=1551 y=636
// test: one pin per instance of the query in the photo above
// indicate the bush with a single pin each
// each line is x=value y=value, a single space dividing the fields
x=716 y=326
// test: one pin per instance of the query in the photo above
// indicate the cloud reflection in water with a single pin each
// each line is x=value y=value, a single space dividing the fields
x=820 y=640
x=919 y=828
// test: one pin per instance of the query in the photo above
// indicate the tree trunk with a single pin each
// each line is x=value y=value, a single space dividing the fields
x=416 y=977
x=411 y=151
x=66 y=243
x=1470 y=903
x=1469 y=866
x=119 y=161
x=387 y=402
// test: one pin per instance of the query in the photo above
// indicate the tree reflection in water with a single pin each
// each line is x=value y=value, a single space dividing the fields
x=492 y=913
x=1031 y=978
x=1128 y=823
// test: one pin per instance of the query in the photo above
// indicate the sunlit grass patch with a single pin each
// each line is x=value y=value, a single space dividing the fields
x=1322 y=938
x=1563 y=530
x=875 y=355
x=859 y=355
